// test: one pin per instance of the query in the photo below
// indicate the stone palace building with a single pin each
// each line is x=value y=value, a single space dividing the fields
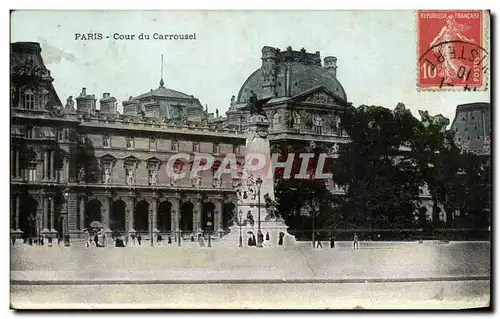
x=74 y=163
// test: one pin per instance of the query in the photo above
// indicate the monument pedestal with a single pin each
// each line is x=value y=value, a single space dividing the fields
x=256 y=191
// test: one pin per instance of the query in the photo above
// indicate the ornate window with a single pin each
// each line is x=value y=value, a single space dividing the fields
x=31 y=173
x=152 y=144
x=175 y=145
x=107 y=163
x=130 y=165
x=106 y=172
x=216 y=149
x=296 y=123
x=317 y=123
x=196 y=147
x=153 y=168
x=59 y=135
x=29 y=133
x=29 y=100
x=129 y=143
x=276 y=121
x=106 y=139
x=129 y=174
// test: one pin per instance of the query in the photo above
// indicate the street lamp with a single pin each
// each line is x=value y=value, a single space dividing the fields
x=314 y=203
x=66 y=237
x=151 y=235
x=258 y=181
x=240 y=224
x=209 y=228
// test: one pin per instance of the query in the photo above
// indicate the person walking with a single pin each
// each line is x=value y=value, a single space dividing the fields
x=132 y=236
x=139 y=238
x=319 y=244
x=332 y=242
x=355 y=241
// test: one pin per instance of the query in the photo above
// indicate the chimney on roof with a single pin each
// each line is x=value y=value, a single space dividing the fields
x=85 y=103
x=330 y=64
x=108 y=104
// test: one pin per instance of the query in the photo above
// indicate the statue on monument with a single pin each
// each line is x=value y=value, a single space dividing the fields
x=255 y=106
x=271 y=208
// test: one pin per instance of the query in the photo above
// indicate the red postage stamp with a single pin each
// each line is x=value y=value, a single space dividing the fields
x=453 y=51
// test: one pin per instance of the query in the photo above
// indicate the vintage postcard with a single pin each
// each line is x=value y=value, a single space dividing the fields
x=250 y=159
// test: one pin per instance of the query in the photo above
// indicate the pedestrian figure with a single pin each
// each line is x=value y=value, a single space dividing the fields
x=158 y=238
x=192 y=238
x=332 y=242
x=13 y=240
x=267 y=236
x=355 y=241
x=132 y=236
x=319 y=244
x=260 y=237
x=201 y=240
x=139 y=238
x=254 y=242
x=280 y=240
x=250 y=243
x=169 y=239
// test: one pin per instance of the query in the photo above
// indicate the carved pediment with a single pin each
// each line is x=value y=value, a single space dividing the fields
x=153 y=159
x=318 y=95
x=320 y=98
x=131 y=159
x=107 y=158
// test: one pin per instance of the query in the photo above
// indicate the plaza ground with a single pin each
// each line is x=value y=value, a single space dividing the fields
x=381 y=275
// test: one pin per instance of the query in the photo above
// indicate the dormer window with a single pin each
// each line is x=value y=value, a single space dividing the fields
x=29 y=100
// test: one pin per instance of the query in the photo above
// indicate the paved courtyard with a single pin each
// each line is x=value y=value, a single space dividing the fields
x=459 y=271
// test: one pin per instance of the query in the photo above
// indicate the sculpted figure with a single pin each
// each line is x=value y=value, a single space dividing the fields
x=271 y=208
x=81 y=174
x=69 y=103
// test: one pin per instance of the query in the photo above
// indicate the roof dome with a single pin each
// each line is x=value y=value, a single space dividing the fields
x=290 y=73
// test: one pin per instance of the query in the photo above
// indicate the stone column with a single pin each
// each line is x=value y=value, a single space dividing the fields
x=45 y=213
x=105 y=216
x=175 y=215
x=13 y=169
x=131 y=205
x=154 y=205
x=197 y=215
x=52 y=171
x=82 y=212
x=218 y=215
x=18 y=169
x=52 y=213
x=12 y=213
x=18 y=200
x=66 y=169
x=45 y=164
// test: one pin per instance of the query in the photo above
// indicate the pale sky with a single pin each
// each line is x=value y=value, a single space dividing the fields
x=376 y=51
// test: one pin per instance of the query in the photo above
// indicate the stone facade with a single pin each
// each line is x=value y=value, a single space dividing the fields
x=75 y=164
